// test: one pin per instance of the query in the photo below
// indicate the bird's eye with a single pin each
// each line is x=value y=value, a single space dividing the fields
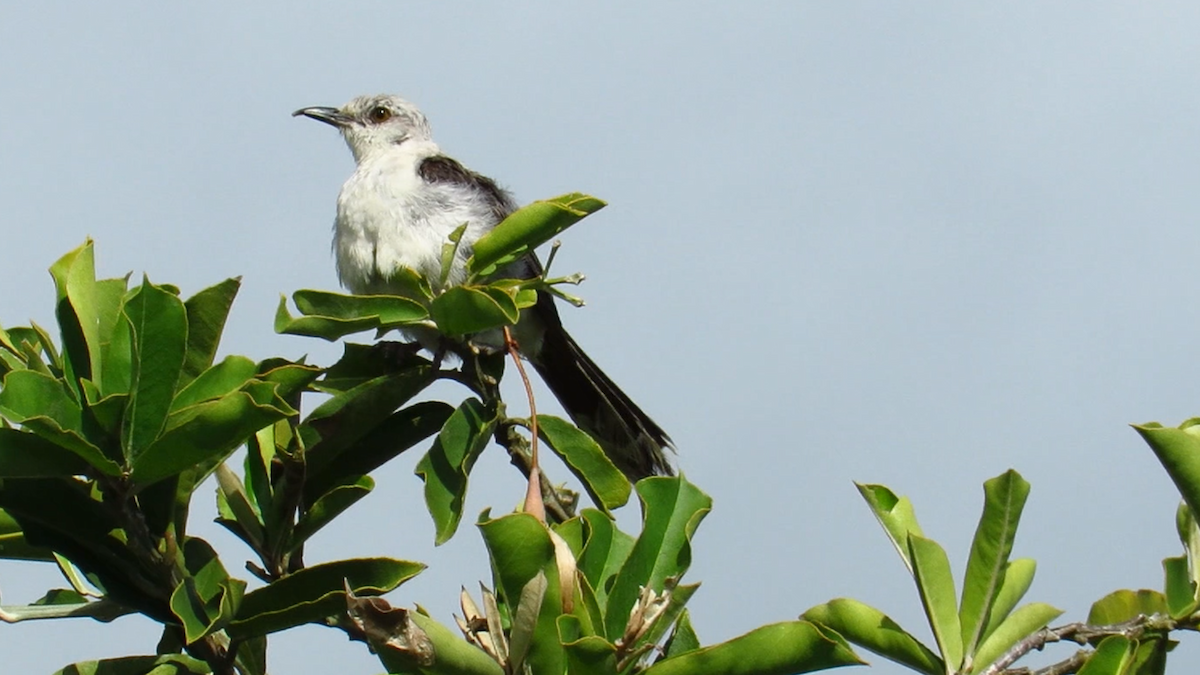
x=379 y=114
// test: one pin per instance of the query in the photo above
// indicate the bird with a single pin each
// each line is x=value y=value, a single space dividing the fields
x=399 y=207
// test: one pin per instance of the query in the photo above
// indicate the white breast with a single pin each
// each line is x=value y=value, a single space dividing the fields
x=389 y=217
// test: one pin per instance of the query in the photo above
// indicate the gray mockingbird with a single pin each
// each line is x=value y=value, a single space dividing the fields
x=398 y=209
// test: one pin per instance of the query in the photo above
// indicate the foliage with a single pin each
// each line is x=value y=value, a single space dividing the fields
x=106 y=435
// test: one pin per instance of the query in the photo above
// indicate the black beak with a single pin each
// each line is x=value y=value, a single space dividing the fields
x=325 y=114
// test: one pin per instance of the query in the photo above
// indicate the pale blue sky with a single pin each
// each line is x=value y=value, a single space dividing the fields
x=908 y=243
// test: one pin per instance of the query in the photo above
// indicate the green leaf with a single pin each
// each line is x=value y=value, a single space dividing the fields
x=1113 y=656
x=206 y=313
x=450 y=253
x=672 y=508
x=158 y=323
x=586 y=654
x=606 y=485
x=290 y=378
x=1178 y=588
x=1124 y=605
x=445 y=468
x=42 y=405
x=26 y=455
x=1018 y=576
x=209 y=432
x=388 y=310
x=106 y=411
x=168 y=664
x=683 y=639
x=332 y=316
x=931 y=571
x=1017 y=626
x=1004 y=498
x=339 y=422
x=224 y=378
x=873 y=630
x=75 y=284
x=775 y=649
x=317 y=592
x=462 y=310
x=329 y=506
x=528 y=228
x=1189 y=536
x=1179 y=452
x=329 y=467
x=207 y=598
x=234 y=504
x=895 y=514
x=520 y=549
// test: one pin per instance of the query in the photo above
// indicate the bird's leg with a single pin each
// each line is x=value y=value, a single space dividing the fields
x=533 y=494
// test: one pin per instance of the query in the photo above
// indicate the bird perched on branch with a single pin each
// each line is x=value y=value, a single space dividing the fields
x=397 y=210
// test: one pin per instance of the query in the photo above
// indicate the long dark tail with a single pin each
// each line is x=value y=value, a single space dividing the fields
x=597 y=405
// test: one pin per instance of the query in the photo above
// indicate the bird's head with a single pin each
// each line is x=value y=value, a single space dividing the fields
x=373 y=124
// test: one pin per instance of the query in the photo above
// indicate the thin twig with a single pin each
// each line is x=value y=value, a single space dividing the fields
x=1081 y=633
x=513 y=350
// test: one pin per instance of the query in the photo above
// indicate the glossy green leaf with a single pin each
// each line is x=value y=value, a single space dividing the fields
x=317 y=592
x=327 y=328
x=158 y=325
x=1004 y=499
x=1018 y=576
x=450 y=254
x=1016 y=627
x=234 y=504
x=42 y=405
x=520 y=548
x=387 y=310
x=1124 y=605
x=1113 y=656
x=209 y=432
x=683 y=638
x=586 y=654
x=168 y=664
x=931 y=571
x=339 y=422
x=606 y=485
x=1178 y=449
x=75 y=307
x=444 y=469
x=329 y=506
x=528 y=228
x=207 y=598
x=329 y=466
x=206 y=314
x=224 y=378
x=775 y=649
x=1189 y=535
x=27 y=455
x=1179 y=589
x=895 y=514
x=873 y=630
x=106 y=411
x=462 y=310
x=290 y=378
x=672 y=508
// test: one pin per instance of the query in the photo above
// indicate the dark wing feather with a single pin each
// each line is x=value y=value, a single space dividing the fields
x=440 y=169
